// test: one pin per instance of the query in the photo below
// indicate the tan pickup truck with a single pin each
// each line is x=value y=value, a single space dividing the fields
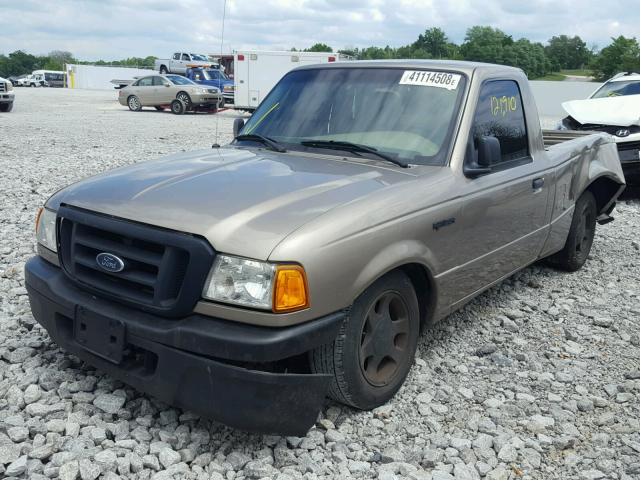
x=360 y=202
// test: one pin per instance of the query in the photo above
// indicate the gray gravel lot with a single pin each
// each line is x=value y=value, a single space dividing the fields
x=538 y=378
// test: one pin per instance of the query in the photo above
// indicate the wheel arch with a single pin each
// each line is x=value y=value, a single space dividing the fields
x=425 y=287
x=605 y=190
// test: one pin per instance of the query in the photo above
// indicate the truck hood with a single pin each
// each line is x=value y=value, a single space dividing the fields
x=244 y=201
x=618 y=111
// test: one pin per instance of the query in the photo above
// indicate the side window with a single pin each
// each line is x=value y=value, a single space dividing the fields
x=159 y=81
x=176 y=56
x=145 y=82
x=500 y=114
x=185 y=57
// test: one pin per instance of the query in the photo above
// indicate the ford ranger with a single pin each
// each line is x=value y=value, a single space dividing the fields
x=359 y=203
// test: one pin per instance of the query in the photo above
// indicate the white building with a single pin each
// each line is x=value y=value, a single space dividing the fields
x=96 y=77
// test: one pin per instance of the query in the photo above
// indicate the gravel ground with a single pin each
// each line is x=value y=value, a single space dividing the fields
x=538 y=378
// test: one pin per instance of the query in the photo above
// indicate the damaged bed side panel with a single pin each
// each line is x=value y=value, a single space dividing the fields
x=581 y=161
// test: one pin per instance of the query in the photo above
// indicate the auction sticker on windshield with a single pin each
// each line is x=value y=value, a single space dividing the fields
x=430 y=79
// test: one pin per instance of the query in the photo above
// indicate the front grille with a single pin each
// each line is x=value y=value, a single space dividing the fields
x=164 y=271
x=629 y=152
x=3 y=87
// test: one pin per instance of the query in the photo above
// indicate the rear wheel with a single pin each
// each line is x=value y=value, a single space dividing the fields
x=581 y=233
x=134 y=103
x=178 y=107
x=374 y=350
x=163 y=70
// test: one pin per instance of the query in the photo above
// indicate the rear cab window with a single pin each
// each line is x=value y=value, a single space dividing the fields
x=500 y=114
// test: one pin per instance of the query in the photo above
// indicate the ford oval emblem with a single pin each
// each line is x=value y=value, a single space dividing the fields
x=623 y=132
x=110 y=262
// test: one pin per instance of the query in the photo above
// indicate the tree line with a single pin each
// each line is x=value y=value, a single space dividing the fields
x=491 y=45
x=481 y=43
x=20 y=62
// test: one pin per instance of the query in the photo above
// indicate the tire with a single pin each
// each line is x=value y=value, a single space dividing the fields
x=160 y=109
x=184 y=98
x=178 y=107
x=134 y=103
x=580 y=238
x=364 y=376
x=221 y=103
x=163 y=70
x=33 y=85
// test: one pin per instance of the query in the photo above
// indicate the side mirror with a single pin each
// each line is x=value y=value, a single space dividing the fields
x=238 y=123
x=481 y=153
x=488 y=150
x=167 y=85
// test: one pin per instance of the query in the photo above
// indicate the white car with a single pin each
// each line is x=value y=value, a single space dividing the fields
x=613 y=108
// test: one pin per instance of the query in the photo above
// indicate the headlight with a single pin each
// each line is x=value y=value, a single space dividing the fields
x=228 y=88
x=203 y=90
x=9 y=86
x=46 y=229
x=256 y=284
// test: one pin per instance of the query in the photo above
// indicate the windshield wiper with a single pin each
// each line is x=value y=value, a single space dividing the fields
x=353 y=147
x=269 y=142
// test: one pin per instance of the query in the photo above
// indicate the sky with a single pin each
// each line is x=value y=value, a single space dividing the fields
x=116 y=29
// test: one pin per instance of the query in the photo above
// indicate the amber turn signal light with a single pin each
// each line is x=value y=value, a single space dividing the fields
x=40 y=210
x=290 y=292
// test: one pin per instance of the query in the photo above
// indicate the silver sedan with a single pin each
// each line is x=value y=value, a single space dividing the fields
x=170 y=91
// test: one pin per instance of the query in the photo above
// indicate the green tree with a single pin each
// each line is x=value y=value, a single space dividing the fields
x=57 y=59
x=567 y=52
x=622 y=55
x=485 y=44
x=434 y=42
x=319 y=47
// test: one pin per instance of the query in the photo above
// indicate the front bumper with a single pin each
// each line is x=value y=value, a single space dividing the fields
x=7 y=97
x=211 y=366
x=206 y=99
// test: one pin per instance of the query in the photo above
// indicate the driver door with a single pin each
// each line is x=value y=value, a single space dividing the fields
x=504 y=212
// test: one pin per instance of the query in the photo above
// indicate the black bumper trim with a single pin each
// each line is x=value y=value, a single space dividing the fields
x=253 y=400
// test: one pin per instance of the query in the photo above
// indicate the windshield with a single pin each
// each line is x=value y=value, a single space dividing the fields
x=405 y=114
x=178 y=80
x=618 y=89
x=199 y=58
x=214 y=75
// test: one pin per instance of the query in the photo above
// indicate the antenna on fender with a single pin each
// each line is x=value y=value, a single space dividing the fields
x=224 y=14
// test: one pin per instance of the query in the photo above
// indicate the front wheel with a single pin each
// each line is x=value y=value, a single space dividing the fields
x=580 y=238
x=374 y=350
x=163 y=70
x=184 y=98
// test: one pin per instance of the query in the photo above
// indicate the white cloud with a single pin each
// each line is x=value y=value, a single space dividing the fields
x=112 y=29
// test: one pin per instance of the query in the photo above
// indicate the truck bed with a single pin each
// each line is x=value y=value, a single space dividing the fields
x=554 y=137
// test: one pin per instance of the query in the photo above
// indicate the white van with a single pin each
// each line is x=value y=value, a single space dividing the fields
x=47 y=78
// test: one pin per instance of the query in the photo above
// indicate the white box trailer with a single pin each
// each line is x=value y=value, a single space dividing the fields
x=256 y=72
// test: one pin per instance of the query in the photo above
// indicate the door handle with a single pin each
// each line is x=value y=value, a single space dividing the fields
x=537 y=183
